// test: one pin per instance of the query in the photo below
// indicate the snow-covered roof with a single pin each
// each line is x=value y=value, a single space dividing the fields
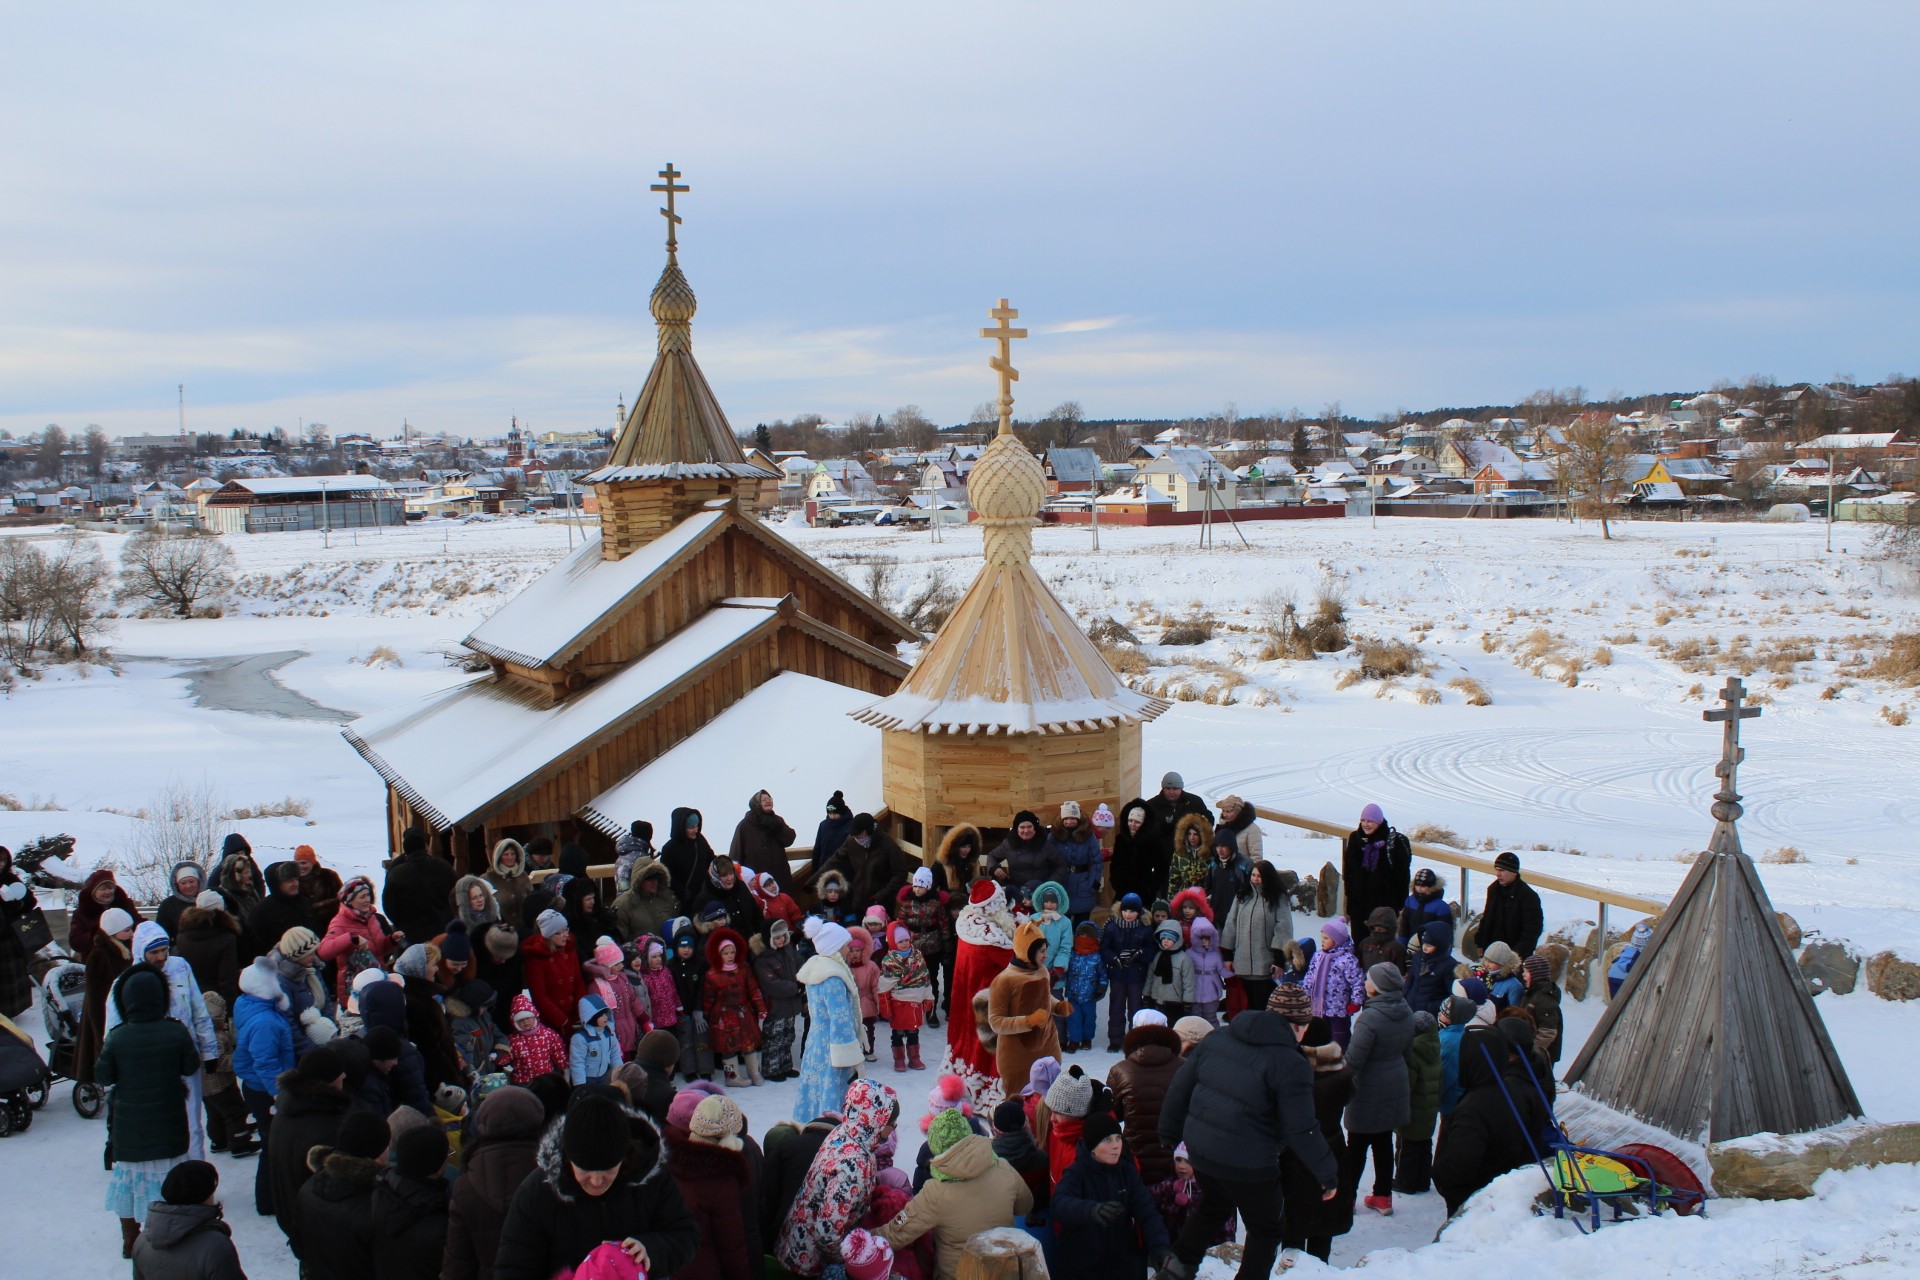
x=706 y=770
x=1488 y=453
x=1658 y=491
x=455 y=754
x=558 y=612
x=1074 y=466
x=842 y=468
x=1842 y=441
x=1190 y=462
x=308 y=484
x=1138 y=493
x=1692 y=469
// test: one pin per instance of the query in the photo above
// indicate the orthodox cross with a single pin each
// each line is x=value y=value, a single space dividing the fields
x=673 y=219
x=1003 y=362
x=1726 y=806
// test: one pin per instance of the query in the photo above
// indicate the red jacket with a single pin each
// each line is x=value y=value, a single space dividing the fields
x=554 y=978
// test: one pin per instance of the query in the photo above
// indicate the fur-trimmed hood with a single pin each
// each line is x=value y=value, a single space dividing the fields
x=955 y=837
x=1195 y=895
x=520 y=863
x=705 y=1160
x=1147 y=1041
x=649 y=869
x=1190 y=822
x=646 y=1155
x=262 y=983
x=832 y=878
x=353 y=1170
x=209 y=918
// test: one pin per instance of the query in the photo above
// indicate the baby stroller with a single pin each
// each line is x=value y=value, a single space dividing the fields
x=63 y=996
x=23 y=1078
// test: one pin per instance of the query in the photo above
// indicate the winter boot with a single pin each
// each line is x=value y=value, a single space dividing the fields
x=129 y=1232
x=913 y=1057
x=899 y=1057
x=243 y=1144
x=933 y=1016
x=753 y=1071
x=730 y=1072
x=1382 y=1205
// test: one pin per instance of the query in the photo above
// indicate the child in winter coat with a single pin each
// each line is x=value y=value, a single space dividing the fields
x=689 y=979
x=652 y=985
x=1299 y=954
x=481 y=1045
x=1499 y=968
x=228 y=1128
x=904 y=980
x=1335 y=982
x=1126 y=947
x=833 y=901
x=534 y=1048
x=1427 y=902
x=1629 y=956
x=1170 y=985
x=1430 y=972
x=1104 y=1213
x=1413 y=1156
x=1381 y=946
x=606 y=978
x=1209 y=970
x=776 y=967
x=595 y=1050
x=1086 y=986
x=553 y=971
x=1542 y=1000
x=1179 y=1196
x=1187 y=906
x=1456 y=1016
x=923 y=909
x=734 y=1007
x=866 y=979
x=1050 y=913
x=776 y=903
x=358 y=937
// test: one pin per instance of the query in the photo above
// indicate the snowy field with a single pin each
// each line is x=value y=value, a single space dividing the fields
x=1591 y=760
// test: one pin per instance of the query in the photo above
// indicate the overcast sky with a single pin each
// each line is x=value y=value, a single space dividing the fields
x=363 y=213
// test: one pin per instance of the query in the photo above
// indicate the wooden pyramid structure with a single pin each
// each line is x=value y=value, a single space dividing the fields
x=1714 y=1036
x=684 y=606
x=1011 y=706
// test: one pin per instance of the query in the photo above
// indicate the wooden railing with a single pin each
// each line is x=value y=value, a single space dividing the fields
x=1602 y=898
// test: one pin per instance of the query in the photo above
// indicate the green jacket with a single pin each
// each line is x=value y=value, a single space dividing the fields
x=1423 y=1087
x=143 y=1063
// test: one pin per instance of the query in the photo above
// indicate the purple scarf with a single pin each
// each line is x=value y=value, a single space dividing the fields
x=1373 y=850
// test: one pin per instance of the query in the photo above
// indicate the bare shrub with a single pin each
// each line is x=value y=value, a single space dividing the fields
x=1603 y=656
x=184 y=822
x=382 y=655
x=49 y=597
x=1433 y=833
x=1901 y=662
x=1104 y=630
x=1782 y=856
x=1123 y=658
x=879 y=578
x=1895 y=716
x=1347 y=678
x=286 y=807
x=1475 y=693
x=928 y=609
x=1327 y=628
x=177 y=571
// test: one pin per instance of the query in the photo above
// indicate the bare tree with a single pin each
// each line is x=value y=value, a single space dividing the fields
x=912 y=429
x=1593 y=465
x=1064 y=426
x=178 y=571
x=53 y=443
x=48 y=597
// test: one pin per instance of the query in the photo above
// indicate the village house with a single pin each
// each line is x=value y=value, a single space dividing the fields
x=1193 y=478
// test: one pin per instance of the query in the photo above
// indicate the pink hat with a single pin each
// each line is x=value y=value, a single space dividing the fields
x=608 y=1261
x=867 y=1256
x=608 y=953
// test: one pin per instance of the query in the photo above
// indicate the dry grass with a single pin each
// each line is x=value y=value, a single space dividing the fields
x=1123 y=658
x=1390 y=659
x=1625 y=637
x=1895 y=716
x=1901 y=662
x=384 y=655
x=1295 y=646
x=1782 y=856
x=1326 y=628
x=1104 y=630
x=1427 y=696
x=1475 y=693
x=1696 y=691
x=1185 y=631
x=286 y=807
x=1603 y=656
x=1432 y=833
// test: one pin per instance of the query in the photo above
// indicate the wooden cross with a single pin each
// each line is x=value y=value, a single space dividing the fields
x=1003 y=362
x=673 y=219
x=1730 y=713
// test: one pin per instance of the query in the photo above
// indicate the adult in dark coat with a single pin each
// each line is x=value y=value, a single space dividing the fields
x=1078 y=845
x=208 y=939
x=383 y=1008
x=589 y=919
x=1140 y=1081
x=1376 y=868
x=142 y=1062
x=100 y=892
x=308 y=1106
x=1382 y=1097
x=761 y=841
x=833 y=829
x=333 y=1236
x=17 y=903
x=1512 y=912
x=497 y=962
x=418 y=895
x=876 y=868
x=725 y=886
x=1139 y=863
x=1310 y=1223
x=1024 y=858
x=187 y=880
x=112 y=956
x=1164 y=811
x=648 y=1079
x=1481 y=1139
x=285 y=907
x=715 y=1183
x=241 y=886
x=1243 y=1096
x=686 y=852
x=409 y=1208
x=496 y=1158
x=601 y=1175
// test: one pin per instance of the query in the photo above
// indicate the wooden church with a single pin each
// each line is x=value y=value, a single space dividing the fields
x=683 y=609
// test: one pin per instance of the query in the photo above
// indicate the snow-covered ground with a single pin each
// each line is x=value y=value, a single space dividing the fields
x=1601 y=773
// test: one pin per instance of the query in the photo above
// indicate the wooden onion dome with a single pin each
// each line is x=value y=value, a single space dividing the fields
x=1010 y=706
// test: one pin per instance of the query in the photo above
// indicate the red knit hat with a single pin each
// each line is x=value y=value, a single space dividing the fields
x=867 y=1256
x=981 y=891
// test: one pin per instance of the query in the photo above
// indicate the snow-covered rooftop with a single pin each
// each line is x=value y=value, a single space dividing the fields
x=457 y=752
x=717 y=769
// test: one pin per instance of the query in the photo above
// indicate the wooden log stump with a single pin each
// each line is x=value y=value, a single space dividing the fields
x=1004 y=1253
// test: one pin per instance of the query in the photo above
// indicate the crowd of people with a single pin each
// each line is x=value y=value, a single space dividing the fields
x=504 y=1074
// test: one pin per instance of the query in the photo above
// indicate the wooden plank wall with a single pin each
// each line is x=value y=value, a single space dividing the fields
x=673 y=603
x=812 y=656
x=943 y=779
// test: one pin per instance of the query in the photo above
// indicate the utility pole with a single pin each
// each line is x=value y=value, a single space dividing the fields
x=1829 y=502
x=326 y=522
x=183 y=408
x=1093 y=507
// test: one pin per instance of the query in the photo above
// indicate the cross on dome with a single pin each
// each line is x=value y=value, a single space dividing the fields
x=1003 y=362
x=673 y=219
